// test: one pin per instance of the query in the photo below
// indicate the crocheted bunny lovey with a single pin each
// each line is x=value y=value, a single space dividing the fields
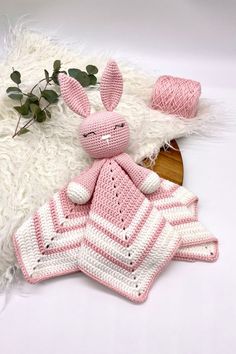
x=127 y=242
x=117 y=222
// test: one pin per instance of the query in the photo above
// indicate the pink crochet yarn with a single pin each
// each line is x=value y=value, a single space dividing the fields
x=102 y=134
x=177 y=96
x=100 y=143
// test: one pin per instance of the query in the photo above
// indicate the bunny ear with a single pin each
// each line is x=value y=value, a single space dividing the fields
x=74 y=95
x=111 y=87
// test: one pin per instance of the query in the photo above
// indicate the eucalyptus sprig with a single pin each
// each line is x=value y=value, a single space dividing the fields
x=35 y=104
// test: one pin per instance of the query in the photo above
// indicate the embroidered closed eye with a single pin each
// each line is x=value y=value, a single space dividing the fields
x=119 y=125
x=85 y=135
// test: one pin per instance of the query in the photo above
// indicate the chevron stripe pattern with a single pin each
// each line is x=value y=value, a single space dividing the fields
x=127 y=242
x=47 y=244
x=179 y=208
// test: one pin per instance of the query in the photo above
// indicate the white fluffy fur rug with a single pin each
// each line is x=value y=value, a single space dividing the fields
x=37 y=164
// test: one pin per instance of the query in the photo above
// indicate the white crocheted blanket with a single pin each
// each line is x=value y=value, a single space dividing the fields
x=37 y=164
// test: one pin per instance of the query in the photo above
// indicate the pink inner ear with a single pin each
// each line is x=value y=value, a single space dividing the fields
x=111 y=87
x=74 y=95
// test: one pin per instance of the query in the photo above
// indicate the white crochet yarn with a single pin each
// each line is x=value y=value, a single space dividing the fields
x=150 y=184
x=77 y=193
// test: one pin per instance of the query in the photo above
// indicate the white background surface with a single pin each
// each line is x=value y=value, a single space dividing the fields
x=192 y=307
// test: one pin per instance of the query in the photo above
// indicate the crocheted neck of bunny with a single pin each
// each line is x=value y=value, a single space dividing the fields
x=104 y=134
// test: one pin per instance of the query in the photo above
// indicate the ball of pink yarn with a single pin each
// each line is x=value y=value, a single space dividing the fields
x=176 y=96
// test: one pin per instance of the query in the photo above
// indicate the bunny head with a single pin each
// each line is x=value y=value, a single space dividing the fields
x=102 y=134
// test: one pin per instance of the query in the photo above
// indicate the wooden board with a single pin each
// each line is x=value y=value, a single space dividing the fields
x=169 y=164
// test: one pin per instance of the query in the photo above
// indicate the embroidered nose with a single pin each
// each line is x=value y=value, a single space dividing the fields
x=106 y=137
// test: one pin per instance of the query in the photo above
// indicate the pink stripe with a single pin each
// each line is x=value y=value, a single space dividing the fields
x=194 y=202
x=162 y=193
x=37 y=229
x=199 y=242
x=146 y=251
x=191 y=257
x=19 y=259
x=62 y=248
x=144 y=295
x=168 y=206
x=183 y=221
x=116 y=238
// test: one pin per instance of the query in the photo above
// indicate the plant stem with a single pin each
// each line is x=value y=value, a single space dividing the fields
x=37 y=84
x=44 y=109
x=30 y=122
x=43 y=90
x=17 y=125
x=19 y=118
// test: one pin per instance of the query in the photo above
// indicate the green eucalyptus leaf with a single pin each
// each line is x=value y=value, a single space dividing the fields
x=14 y=93
x=46 y=73
x=80 y=76
x=55 y=78
x=24 y=109
x=41 y=116
x=74 y=73
x=57 y=65
x=92 y=69
x=35 y=109
x=92 y=80
x=16 y=77
x=23 y=131
x=32 y=98
x=50 y=95
x=84 y=79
